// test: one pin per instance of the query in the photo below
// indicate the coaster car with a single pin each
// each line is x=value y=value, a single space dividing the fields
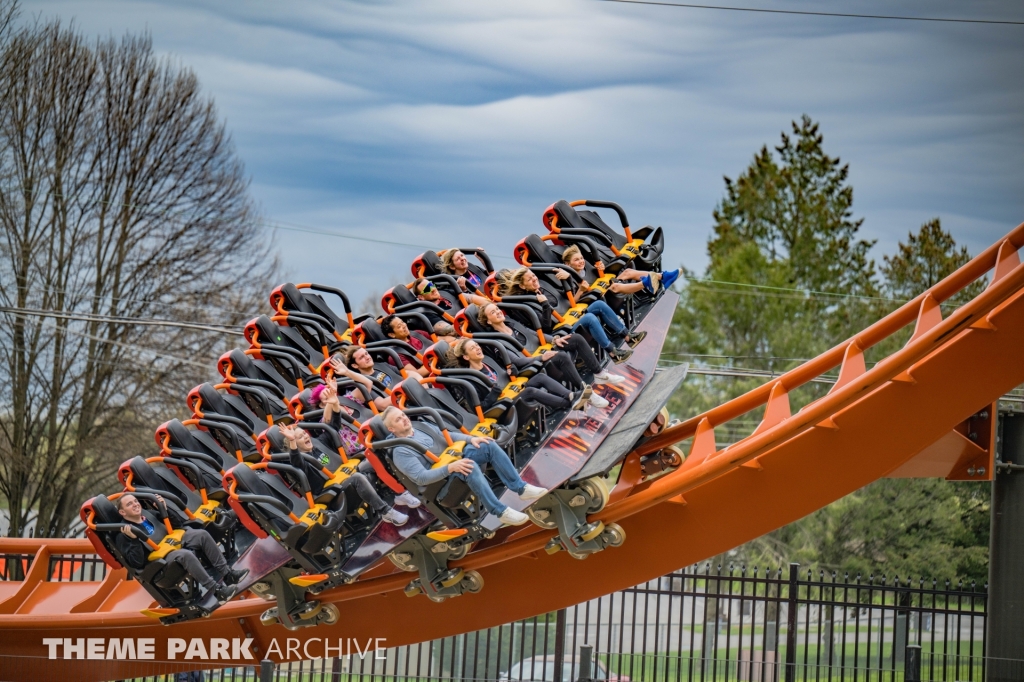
x=179 y=595
x=266 y=506
x=186 y=507
x=299 y=303
x=587 y=230
x=400 y=300
x=430 y=263
x=258 y=383
x=450 y=500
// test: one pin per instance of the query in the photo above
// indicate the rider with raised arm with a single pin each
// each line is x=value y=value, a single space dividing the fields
x=299 y=443
x=477 y=452
x=142 y=524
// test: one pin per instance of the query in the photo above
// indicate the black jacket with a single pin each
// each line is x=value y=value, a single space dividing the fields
x=136 y=552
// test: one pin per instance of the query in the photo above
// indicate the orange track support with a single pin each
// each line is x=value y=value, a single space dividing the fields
x=869 y=426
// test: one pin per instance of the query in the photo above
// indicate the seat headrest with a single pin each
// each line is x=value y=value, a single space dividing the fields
x=540 y=252
x=268 y=329
x=105 y=510
x=427 y=264
x=250 y=481
x=372 y=331
x=213 y=400
x=181 y=437
x=293 y=298
x=377 y=428
x=567 y=216
x=403 y=295
x=470 y=313
x=243 y=364
x=273 y=434
x=142 y=473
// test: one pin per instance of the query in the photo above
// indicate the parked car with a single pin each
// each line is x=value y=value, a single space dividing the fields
x=542 y=669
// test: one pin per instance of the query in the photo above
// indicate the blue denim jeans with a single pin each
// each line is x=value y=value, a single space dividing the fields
x=598 y=316
x=490 y=453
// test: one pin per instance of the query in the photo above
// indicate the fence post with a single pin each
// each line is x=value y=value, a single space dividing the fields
x=586 y=656
x=559 y=644
x=266 y=671
x=912 y=665
x=791 y=621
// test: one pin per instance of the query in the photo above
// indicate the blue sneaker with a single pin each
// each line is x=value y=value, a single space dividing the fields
x=650 y=284
x=669 y=278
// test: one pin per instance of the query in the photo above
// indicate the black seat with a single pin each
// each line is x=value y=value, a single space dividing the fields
x=267 y=506
x=450 y=499
x=305 y=306
x=167 y=583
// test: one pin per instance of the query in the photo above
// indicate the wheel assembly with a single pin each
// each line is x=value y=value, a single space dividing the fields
x=613 y=535
x=328 y=615
x=403 y=560
x=473 y=582
x=597 y=490
x=541 y=517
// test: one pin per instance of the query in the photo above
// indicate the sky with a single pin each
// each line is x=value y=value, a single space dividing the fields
x=451 y=123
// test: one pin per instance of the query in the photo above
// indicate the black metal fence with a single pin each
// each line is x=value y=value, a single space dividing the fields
x=698 y=624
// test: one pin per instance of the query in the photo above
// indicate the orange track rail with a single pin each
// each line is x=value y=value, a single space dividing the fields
x=872 y=422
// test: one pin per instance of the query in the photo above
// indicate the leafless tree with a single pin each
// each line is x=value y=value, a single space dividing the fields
x=121 y=199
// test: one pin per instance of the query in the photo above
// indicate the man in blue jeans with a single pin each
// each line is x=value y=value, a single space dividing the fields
x=478 y=452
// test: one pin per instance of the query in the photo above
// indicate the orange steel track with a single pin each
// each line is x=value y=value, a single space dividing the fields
x=872 y=422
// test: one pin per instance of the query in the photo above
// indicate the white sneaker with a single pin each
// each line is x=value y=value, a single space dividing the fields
x=532 y=492
x=407 y=499
x=597 y=401
x=511 y=517
x=395 y=517
x=607 y=377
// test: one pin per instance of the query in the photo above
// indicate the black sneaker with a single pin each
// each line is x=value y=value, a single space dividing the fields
x=224 y=593
x=235 y=577
x=620 y=355
x=633 y=340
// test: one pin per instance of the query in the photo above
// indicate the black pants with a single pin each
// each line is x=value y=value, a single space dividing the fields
x=364 y=489
x=562 y=368
x=579 y=349
x=544 y=390
x=193 y=542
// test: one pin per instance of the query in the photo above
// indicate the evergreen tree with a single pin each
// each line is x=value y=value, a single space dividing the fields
x=788 y=277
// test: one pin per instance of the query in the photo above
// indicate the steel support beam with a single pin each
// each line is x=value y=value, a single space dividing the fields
x=1005 y=645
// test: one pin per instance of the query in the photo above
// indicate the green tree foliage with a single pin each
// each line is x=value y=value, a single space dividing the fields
x=923 y=261
x=789 y=277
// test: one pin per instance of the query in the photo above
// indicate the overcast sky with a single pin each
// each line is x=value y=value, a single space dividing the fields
x=456 y=123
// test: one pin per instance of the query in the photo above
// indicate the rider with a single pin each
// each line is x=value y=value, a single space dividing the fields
x=627 y=281
x=195 y=540
x=523 y=282
x=557 y=363
x=300 y=443
x=477 y=452
x=540 y=388
x=358 y=361
x=425 y=290
x=395 y=327
x=469 y=277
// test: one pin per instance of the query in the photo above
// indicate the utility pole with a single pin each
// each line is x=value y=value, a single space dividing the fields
x=1005 y=642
